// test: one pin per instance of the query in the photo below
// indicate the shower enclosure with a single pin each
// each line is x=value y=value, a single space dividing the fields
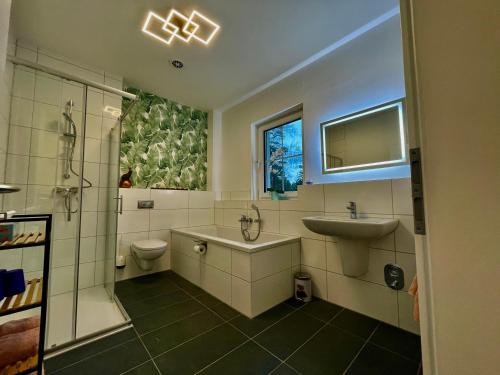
x=73 y=172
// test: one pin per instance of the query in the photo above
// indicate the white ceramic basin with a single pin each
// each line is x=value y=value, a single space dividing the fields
x=353 y=229
x=353 y=238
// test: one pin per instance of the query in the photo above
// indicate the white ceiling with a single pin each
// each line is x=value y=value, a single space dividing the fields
x=258 y=40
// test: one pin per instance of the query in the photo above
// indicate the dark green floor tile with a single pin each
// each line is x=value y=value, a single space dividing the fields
x=111 y=362
x=329 y=352
x=374 y=360
x=207 y=299
x=288 y=334
x=225 y=311
x=295 y=303
x=175 y=334
x=146 y=306
x=394 y=339
x=200 y=352
x=249 y=359
x=153 y=291
x=82 y=352
x=284 y=370
x=147 y=368
x=251 y=327
x=187 y=286
x=321 y=310
x=166 y=315
x=355 y=323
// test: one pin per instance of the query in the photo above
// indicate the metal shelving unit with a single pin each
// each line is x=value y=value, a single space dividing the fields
x=36 y=293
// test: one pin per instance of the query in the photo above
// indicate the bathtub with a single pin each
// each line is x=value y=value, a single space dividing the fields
x=251 y=277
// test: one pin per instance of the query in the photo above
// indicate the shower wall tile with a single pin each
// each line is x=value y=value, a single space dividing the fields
x=19 y=140
x=16 y=171
x=24 y=83
x=48 y=89
x=46 y=117
x=43 y=144
x=86 y=273
x=42 y=171
x=21 y=112
x=63 y=253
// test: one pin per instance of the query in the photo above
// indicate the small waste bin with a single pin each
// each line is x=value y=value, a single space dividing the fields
x=303 y=287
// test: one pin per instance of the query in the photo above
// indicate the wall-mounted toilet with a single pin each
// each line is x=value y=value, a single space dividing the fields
x=145 y=252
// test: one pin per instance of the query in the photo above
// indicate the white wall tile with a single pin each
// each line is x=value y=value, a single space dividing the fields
x=218 y=256
x=408 y=263
x=17 y=169
x=63 y=252
x=291 y=223
x=201 y=199
x=33 y=259
x=231 y=216
x=270 y=220
x=170 y=199
x=100 y=248
x=88 y=224
x=19 y=140
x=93 y=126
x=318 y=281
x=99 y=273
x=92 y=150
x=42 y=171
x=268 y=291
x=401 y=191
x=405 y=238
x=167 y=219
x=313 y=253
x=132 y=196
x=134 y=221
x=21 y=112
x=216 y=282
x=218 y=216
x=47 y=117
x=201 y=216
x=309 y=198
x=95 y=102
x=44 y=144
x=24 y=83
x=86 y=273
x=241 y=296
x=11 y=259
x=378 y=259
x=371 y=197
x=87 y=249
x=333 y=259
x=48 y=89
x=62 y=280
x=370 y=299
x=90 y=197
x=241 y=265
x=269 y=262
x=406 y=321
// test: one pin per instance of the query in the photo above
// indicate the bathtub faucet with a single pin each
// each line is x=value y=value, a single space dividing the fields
x=245 y=223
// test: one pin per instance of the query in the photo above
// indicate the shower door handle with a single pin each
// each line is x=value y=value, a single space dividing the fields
x=120 y=204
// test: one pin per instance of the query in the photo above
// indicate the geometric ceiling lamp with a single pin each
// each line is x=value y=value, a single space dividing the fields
x=178 y=26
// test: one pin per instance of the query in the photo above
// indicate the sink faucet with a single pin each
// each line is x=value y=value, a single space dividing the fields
x=352 y=208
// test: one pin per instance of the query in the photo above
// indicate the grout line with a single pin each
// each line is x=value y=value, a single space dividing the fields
x=139 y=365
x=93 y=355
x=172 y=322
x=147 y=351
x=225 y=355
x=360 y=350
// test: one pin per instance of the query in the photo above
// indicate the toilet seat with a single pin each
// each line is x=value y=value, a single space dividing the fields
x=149 y=245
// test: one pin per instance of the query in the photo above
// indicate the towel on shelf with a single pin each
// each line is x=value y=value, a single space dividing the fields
x=15 y=326
x=413 y=291
x=18 y=346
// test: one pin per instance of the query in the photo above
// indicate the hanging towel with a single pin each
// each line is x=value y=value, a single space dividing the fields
x=413 y=291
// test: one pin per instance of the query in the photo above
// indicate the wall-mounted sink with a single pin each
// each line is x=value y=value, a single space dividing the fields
x=350 y=228
x=354 y=236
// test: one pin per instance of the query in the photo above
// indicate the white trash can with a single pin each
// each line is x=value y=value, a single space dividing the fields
x=303 y=287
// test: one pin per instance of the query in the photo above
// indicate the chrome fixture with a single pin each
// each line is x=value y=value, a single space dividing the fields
x=4 y=189
x=353 y=209
x=247 y=221
x=71 y=134
x=68 y=192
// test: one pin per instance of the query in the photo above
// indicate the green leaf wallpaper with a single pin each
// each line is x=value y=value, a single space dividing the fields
x=164 y=143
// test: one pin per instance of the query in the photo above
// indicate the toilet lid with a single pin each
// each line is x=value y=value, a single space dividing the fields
x=149 y=244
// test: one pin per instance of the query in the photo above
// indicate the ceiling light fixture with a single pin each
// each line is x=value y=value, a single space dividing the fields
x=177 y=25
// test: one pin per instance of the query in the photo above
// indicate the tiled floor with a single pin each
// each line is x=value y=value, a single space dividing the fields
x=179 y=329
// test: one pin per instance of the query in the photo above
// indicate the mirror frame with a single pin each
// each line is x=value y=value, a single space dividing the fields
x=400 y=104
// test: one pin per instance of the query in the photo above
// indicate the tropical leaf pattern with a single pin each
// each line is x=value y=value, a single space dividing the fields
x=164 y=144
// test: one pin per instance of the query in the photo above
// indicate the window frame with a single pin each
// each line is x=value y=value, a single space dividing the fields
x=261 y=151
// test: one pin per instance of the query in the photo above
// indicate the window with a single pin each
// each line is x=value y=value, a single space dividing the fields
x=283 y=157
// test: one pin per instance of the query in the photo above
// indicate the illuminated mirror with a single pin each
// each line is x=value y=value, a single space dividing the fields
x=372 y=138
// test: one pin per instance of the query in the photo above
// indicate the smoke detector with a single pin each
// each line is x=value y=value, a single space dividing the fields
x=178 y=64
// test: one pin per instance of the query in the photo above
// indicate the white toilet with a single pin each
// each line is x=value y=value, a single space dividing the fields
x=145 y=252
